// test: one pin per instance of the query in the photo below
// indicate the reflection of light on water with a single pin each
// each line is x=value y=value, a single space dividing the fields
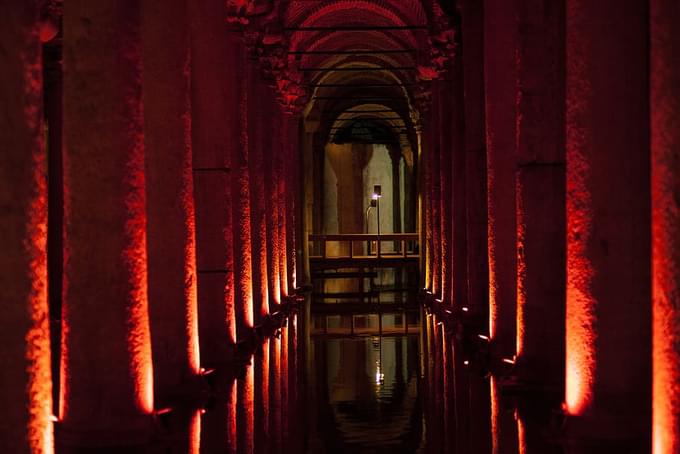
x=379 y=376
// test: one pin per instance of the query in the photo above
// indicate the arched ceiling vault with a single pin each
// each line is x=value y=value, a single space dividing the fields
x=341 y=59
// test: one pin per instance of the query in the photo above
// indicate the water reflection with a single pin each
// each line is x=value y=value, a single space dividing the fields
x=359 y=383
x=367 y=394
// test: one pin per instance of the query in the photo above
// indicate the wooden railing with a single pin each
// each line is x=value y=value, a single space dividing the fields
x=405 y=245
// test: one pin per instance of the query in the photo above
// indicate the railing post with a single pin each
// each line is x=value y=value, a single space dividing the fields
x=323 y=247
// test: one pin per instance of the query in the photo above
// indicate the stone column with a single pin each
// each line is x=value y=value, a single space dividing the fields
x=25 y=383
x=426 y=246
x=107 y=375
x=500 y=77
x=271 y=152
x=240 y=189
x=435 y=192
x=446 y=198
x=456 y=133
x=294 y=201
x=307 y=153
x=665 y=135
x=608 y=376
x=258 y=114
x=474 y=238
x=53 y=83
x=282 y=189
x=214 y=133
x=171 y=244
x=540 y=186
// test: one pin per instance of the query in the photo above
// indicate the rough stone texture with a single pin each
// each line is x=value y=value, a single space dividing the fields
x=171 y=241
x=257 y=112
x=608 y=220
x=500 y=76
x=540 y=180
x=213 y=61
x=474 y=238
x=25 y=381
x=665 y=140
x=107 y=380
x=446 y=190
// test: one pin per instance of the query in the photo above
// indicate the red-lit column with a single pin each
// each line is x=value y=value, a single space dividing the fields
x=171 y=242
x=214 y=133
x=426 y=201
x=457 y=170
x=26 y=391
x=608 y=220
x=471 y=242
x=293 y=200
x=665 y=135
x=540 y=193
x=107 y=376
x=445 y=105
x=435 y=191
x=271 y=151
x=240 y=153
x=258 y=114
x=500 y=77
x=280 y=158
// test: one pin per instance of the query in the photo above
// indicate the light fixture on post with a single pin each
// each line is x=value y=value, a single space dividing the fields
x=375 y=198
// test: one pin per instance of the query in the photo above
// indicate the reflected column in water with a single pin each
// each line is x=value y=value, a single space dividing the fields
x=245 y=415
x=218 y=425
x=275 y=394
x=261 y=393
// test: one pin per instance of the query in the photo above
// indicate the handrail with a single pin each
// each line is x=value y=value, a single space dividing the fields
x=364 y=237
x=351 y=238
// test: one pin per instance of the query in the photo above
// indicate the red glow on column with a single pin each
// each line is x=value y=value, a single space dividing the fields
x=195 y=432
x=580 y=318
x=262 y=404
x=134 y=257
x=190 y=272
x=665 y=135
x=281 y=159
x=246 y=404
x=521 y=266
x=243 y=253
x=495 y=416
x=285 y=405
x=39 y=380
x=521 y=435
x=232 y=432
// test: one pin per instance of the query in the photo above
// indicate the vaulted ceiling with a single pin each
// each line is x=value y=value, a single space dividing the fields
x=343 y=60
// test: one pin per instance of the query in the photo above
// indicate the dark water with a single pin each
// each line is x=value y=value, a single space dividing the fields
x=365 y=395
x=356 y=383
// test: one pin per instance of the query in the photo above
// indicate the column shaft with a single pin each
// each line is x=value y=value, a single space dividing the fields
x=665 y=135
x=446 y=197
x=435 y=193
x=25 y=381
x=105 y=339
x=540 y=186
x=271 y=151
x=500 y=43
x=257 y=113
x=461 y=276
x=608 y=311
x=474 y=238
x=171 y=243
x=243 y=261
x=213 y=64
